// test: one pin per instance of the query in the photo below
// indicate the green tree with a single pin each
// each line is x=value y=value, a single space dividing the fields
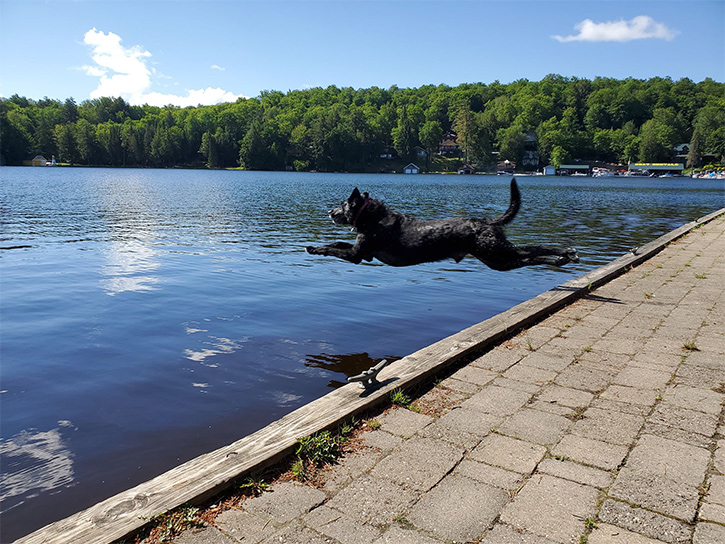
x=108 y=136
x=511 y=144
x=85 y=140
x=253 y=149
x=209 y=150
x=16 y=141
x=65 y=143
x=431 y=134
x=710 y=122
x=466 y=131
x=694 y=158
x=402 y=135
x=651 y=148
x=559 y=156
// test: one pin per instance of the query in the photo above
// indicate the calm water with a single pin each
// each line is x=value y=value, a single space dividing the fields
x=150 y=316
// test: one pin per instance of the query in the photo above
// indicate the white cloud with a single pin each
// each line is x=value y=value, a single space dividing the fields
x=640 y=28
x=193 y=97
x=125 y=72
x=217 y=67
x=127 y=67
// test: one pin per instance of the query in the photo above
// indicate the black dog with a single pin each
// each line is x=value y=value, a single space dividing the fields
x=399 y=240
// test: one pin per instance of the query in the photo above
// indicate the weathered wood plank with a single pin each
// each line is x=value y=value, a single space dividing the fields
x=126 y=512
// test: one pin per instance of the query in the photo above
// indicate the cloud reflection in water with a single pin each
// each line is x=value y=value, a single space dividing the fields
x=34 y=461
x=128 y=266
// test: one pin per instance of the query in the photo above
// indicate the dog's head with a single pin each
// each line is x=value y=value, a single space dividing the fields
x=348 y=212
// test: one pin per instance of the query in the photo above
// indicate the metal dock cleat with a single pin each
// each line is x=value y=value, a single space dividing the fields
x=368 y=378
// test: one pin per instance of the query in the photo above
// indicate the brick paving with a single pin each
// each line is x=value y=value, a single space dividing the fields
x=602 y=424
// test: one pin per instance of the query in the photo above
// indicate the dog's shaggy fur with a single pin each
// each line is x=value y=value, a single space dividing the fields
x=399 y=240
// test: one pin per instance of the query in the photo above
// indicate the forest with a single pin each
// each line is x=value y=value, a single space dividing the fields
x=555 y=120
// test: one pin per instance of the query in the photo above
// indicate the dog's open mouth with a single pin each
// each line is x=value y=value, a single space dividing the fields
x=337 y=217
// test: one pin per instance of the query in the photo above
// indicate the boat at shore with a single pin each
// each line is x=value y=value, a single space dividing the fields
x=710 y=174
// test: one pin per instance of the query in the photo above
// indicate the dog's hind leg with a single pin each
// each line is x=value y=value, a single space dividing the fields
x=519 y=256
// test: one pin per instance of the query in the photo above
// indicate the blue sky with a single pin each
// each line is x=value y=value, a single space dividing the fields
x=205 y=51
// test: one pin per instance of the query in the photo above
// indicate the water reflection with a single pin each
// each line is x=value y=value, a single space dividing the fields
x=130 y=211
x=33 y=462
x=349 y=365
x=128 y=267
x=219 y=346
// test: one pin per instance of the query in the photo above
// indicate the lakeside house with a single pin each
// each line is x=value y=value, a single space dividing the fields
x=530 y=158
x=466 y=169
x=680 y=152
x=505 y=167
x=388 y=153
x=420 y=152
x=655 y=168
x=39 y=160
x=574 y=170
x=549 y=170
x=449 y=145
x=411 y=169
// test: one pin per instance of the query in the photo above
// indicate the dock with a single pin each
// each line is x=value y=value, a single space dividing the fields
x=590 y=413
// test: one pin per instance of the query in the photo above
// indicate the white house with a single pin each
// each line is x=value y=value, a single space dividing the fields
x=411 y=169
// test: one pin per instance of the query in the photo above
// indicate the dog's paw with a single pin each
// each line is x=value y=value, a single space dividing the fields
x=312 y=250
x=572 y=255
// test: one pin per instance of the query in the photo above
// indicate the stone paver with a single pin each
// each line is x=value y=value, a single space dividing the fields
x=644 y=522
x=508 y=453
x=599 y=424
x=288 y=501
x=608 y=426
x=576 y=473
x=536 y=426
x=591 y=452
x=497 y=401
x=240 y=524
x=709 y=533
x=694 y=398
x=504 y=534
x=611 y=534
x=669 y=459
x=656 y=493
x=552 y=508
x=403 y=422
x=342 y=527
x=443 y=513
x=419 y=463
x=491 y=475
x=402 y=535
x=685 y=419
x=373 y=501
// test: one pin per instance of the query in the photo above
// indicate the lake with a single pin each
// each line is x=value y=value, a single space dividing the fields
x=150 y=316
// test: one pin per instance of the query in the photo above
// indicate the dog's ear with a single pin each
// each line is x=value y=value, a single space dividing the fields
x=355 y=194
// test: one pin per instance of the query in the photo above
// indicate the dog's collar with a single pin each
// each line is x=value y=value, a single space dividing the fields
x=368 y=200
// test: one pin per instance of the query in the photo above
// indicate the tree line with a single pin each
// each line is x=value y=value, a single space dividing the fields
x=346 y=129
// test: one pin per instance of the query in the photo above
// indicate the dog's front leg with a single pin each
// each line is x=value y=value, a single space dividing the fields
x=341 y=250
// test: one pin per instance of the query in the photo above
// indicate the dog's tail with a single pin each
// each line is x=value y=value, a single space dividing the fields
x=513 y=209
